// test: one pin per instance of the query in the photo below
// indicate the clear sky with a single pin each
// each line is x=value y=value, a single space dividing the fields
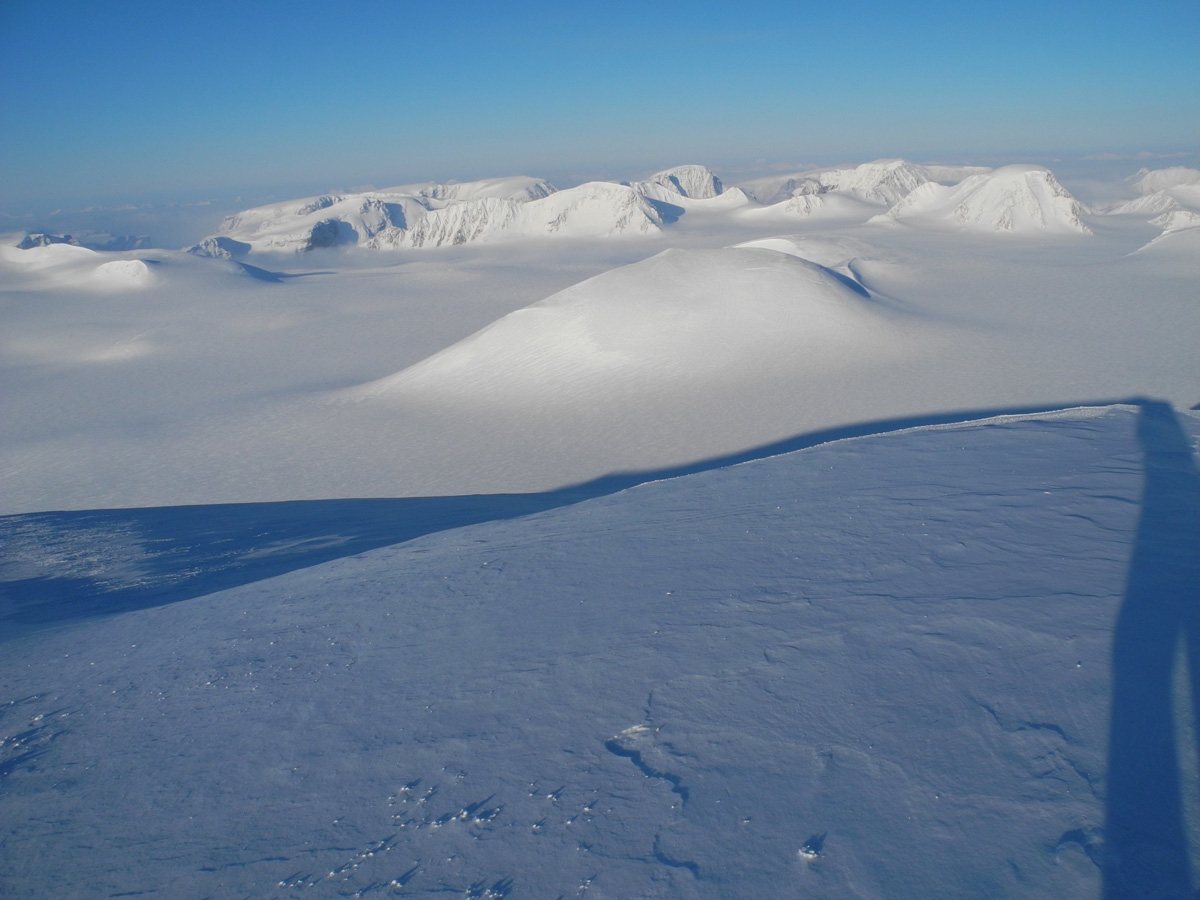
x=122 y=98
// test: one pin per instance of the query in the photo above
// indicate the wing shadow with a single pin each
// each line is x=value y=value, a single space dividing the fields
x=57 y=568
x=1146 y=851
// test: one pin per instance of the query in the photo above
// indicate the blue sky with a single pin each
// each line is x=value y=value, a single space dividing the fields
x=102 y=100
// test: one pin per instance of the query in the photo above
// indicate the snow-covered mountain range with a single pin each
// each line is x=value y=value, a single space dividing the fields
x=592 y=210
x=1171 y=196
x=428 y=215
x=630 y=540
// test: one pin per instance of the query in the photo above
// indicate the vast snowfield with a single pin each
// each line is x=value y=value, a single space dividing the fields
x=831 y=535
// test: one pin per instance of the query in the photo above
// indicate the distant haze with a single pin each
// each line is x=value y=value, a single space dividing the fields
x=103 y=102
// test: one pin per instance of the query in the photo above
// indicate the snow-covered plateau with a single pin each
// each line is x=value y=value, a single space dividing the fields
x=829 y=535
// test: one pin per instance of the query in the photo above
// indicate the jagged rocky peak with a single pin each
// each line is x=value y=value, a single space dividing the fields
x=42 y=239
x=692 y=181
x=92 y=240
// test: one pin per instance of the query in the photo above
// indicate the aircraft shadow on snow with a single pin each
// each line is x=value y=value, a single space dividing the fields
x=62 y=567
x=59 y=568
x=1145 y=843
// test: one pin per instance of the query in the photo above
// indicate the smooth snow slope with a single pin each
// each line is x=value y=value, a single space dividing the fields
x=221 y=382
x=877 y=668
x=679 y=318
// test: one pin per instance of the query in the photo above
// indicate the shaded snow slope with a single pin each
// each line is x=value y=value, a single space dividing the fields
x=1015 y=199
x=680 y=316
x=879 y=667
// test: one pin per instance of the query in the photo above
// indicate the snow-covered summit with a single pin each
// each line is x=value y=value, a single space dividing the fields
x=323 y=221
x=219 y=247
x=1013 y=199
x=1170 y=197
x=880 y=184
x=509 y=187
x=1149 y=181
x=883 y=181
x=680 y=317
x=691 y=181
x=355 y=218
x=595 y=209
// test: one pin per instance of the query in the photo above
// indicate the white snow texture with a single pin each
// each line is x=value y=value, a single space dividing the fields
x=831 y=535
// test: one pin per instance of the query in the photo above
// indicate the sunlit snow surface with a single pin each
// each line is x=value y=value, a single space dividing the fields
x=880 y=667
x=715 y=542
